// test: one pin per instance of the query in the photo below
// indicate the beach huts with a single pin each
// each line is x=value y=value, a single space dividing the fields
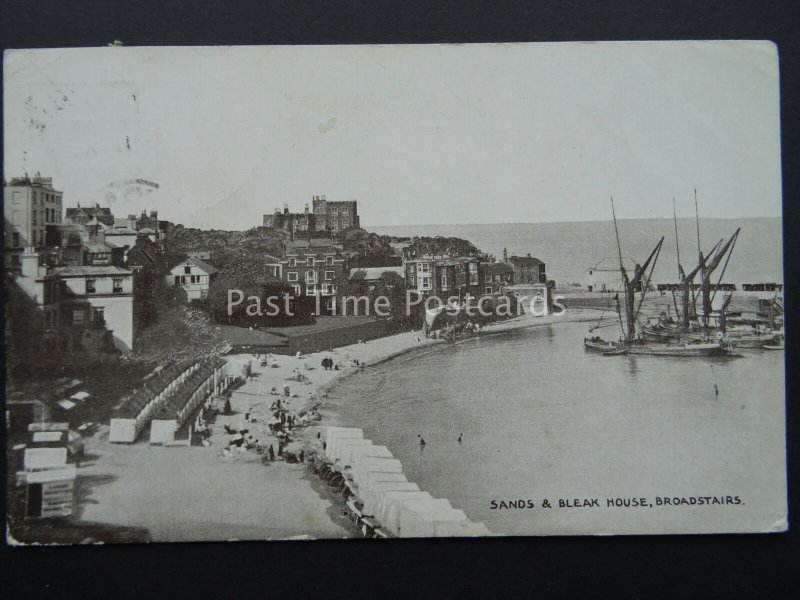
x=166 y=400
x=380 y=497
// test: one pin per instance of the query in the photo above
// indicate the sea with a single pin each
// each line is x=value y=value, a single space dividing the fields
x=569 y=250
x=556 y=440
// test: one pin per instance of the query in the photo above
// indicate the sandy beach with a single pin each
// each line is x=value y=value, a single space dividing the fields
x=194 y=493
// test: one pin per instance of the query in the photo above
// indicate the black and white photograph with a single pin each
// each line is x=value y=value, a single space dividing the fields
x=393 y=291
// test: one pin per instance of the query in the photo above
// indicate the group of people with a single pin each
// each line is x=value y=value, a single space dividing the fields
x=329 y=365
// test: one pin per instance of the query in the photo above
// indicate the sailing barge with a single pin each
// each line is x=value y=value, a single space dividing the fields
x=631 y=342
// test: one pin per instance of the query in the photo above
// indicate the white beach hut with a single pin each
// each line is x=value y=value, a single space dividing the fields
x=335 y=433
x=332 y=432
x=372 y=497
x=391 y=503
x=372 y=463
x=418 y=517
x=375 y=476
x=340 y=454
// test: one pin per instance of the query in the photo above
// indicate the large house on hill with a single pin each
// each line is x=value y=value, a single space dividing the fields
x=316 y=271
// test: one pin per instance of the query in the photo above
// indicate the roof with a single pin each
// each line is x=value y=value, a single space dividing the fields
x=146 y=230
x=311 y=250
x=121 y=231
x=96 y=247
x=87 y=271
x=200 y=264
x=374 y=273
x=497 y=268
x=524 y=261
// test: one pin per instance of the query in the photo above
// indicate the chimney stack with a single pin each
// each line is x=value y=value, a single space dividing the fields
x=306 y=207
x=286 y=209
x=505 y=255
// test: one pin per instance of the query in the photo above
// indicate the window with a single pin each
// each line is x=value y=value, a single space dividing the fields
x=330 y=275
x=423 y=267
x=34 y=217
x=334 y=210
x=311 y=276
x=78 y=316
x=177 y=279
x=310 y=261
x=488 y=279
x=344 y=211
x=15 y=238
x=117 y=285
x=292 y=262
x=15 y=260
x=311 y=290
x=291 y=276
x=444 y=282
x=497 y=278
x=99 y=314
x=326 y=288
x=187 y=270
x=296 y=289
x=329 y=260
x=90 y=286
x=488 y=290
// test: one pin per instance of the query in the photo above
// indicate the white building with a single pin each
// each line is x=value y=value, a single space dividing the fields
x=193 y=276
x=109 y=291
x=605 y=276
x=93 y=301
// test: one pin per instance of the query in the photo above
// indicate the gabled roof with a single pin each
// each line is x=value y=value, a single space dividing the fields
x=191 y=261
x=525 y=261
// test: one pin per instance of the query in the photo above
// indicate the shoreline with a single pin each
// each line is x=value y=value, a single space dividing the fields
x=198 y=493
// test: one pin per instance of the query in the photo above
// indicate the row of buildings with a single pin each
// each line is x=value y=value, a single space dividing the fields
x=78 y=267
x=69 y=274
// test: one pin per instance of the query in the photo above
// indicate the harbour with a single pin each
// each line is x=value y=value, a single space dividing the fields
x=618 y=430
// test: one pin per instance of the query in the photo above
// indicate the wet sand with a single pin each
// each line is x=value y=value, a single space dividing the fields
x=191 y=493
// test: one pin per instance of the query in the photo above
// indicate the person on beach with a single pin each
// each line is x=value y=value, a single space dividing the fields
x=459 y=437
x=271 y=452
x=421 y=441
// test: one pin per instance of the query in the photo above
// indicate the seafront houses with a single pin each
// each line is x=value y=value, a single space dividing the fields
x=192 y=276
x=444 y=277
x=102 y=294
x=496 y=276
x=80 y=313
x=30 y=205
x=315 y=271
x=527 y=269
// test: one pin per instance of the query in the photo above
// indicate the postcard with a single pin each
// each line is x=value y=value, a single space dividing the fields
x=391 y=291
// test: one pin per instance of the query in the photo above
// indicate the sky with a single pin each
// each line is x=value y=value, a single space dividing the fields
x=421 y=134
